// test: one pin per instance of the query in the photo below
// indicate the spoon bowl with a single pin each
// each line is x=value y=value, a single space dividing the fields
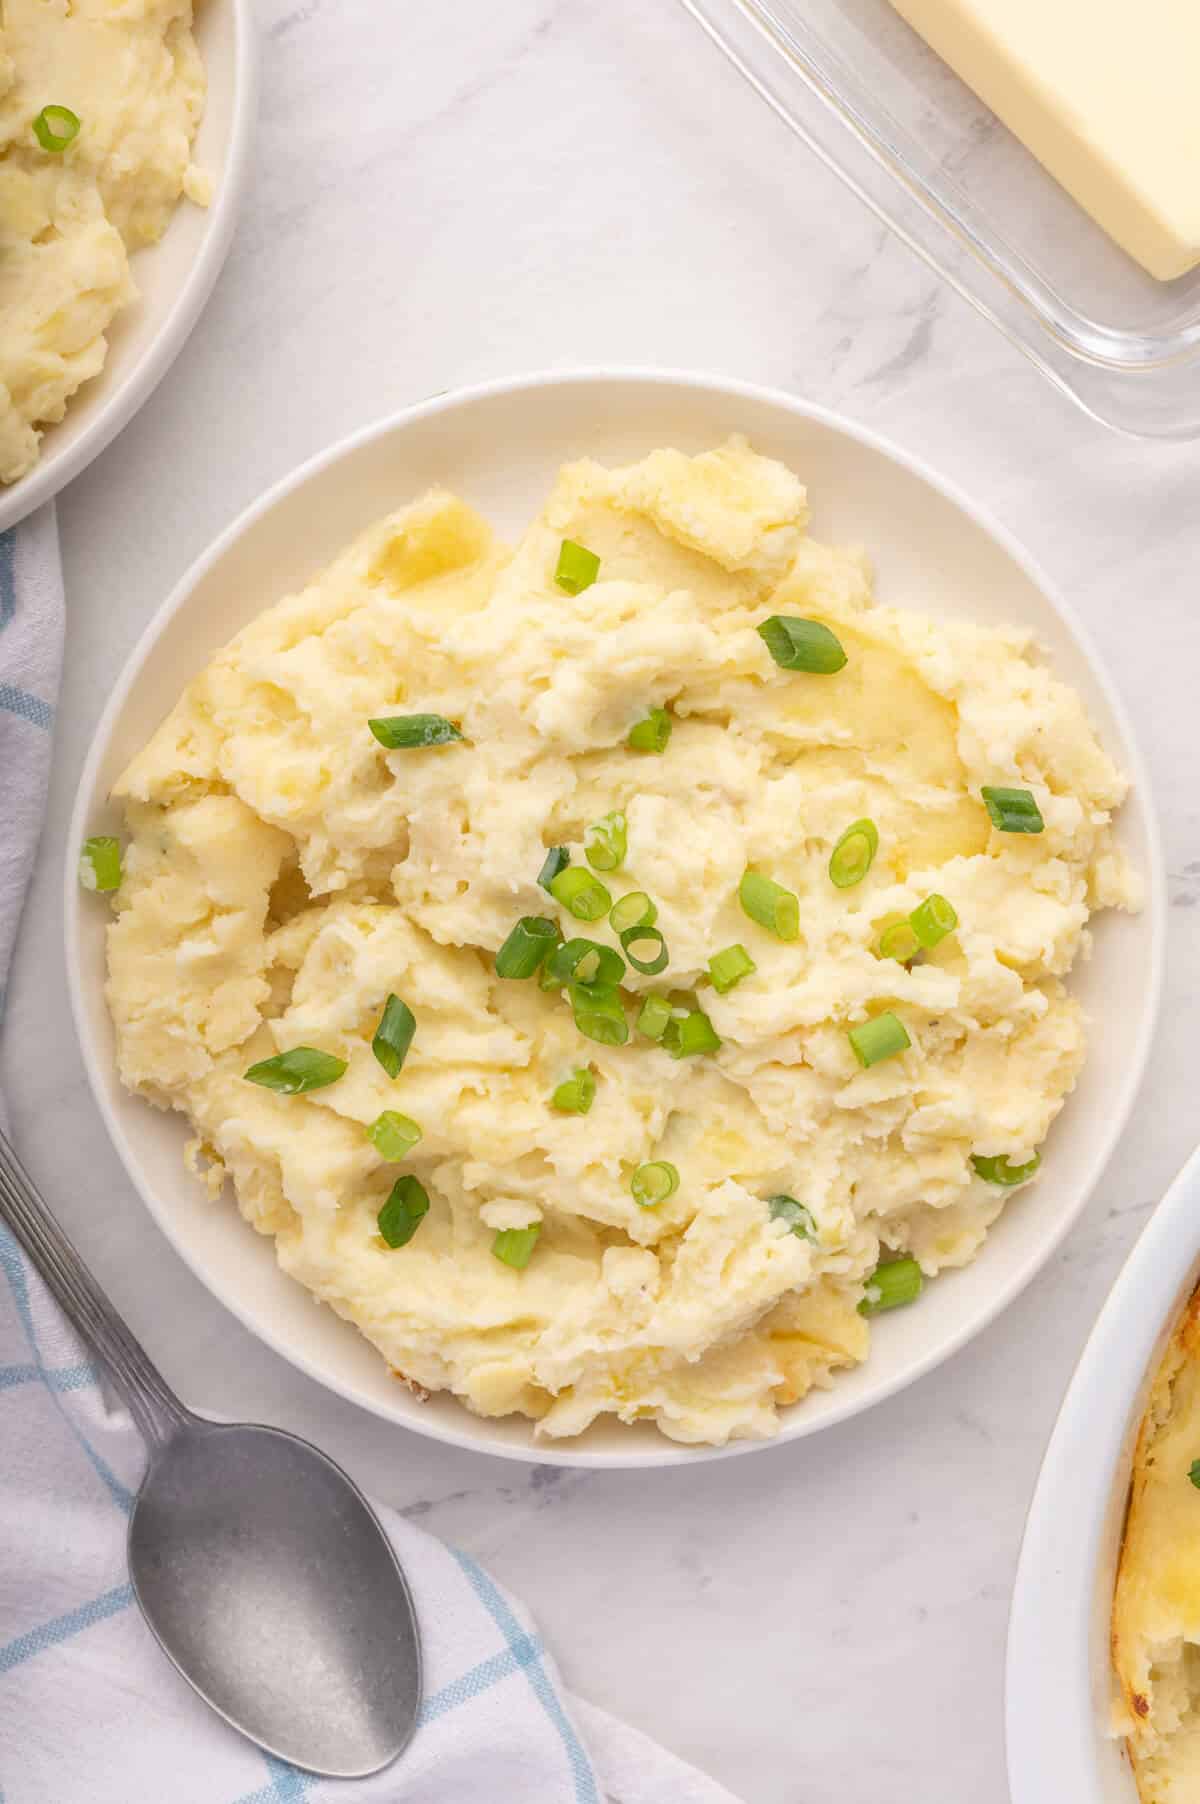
x=268 y=1582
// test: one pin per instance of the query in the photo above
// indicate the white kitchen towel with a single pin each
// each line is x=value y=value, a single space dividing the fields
x=90 y=1711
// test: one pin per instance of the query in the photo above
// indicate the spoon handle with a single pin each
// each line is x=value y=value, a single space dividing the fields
x=152 y=1403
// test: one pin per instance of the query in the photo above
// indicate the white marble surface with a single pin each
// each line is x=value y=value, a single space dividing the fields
x=446 y=194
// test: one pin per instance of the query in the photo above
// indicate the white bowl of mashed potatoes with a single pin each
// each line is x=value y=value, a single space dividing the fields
x=682 y=968
x=125 y=137
x=1102 y=1677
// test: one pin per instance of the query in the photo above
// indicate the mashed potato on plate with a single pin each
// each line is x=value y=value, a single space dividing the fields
x=286 y=873
x=131 y=75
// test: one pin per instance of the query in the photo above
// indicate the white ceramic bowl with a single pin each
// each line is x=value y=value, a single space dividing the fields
x=174 y=277
x=500 y=445
x=1059 y=1680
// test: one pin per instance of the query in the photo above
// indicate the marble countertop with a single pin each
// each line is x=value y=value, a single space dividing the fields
x=446 y=196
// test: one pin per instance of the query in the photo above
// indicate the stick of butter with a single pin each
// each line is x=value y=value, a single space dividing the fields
x=1106 y=96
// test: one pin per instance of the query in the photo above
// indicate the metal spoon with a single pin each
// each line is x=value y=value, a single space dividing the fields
x=260 y=1567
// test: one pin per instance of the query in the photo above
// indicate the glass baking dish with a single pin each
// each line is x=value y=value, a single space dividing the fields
x=876 y=104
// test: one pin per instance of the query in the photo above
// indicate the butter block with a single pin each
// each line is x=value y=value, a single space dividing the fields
x=1104 y=95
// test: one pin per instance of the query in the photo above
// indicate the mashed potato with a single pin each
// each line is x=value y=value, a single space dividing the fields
x=132 y=76
x=286 y=874
x=1156 y=1615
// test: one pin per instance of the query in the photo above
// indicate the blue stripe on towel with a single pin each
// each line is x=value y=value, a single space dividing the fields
x=535 y=1672
x=27 y=707
x=65 y=1628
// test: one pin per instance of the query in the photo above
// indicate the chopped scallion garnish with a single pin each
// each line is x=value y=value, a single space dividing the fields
x=651 y=734
x=581 y=894
x=854 y=854
x=932 y=920
x=55 y=127
x=1194 y=1473
x=689 y=1034
x=998 y=1170
x=575 y=1095
x=292 y=1073
x=634 y=910
x=404 y=1211
x=557 y=859
x=729 y=967
x=406 y=732
x=606 y=842
x=899 y=941
x=890 y=1286
x=802 y=644
x=393 y=1135
x=645 y=948
x=586 y=961
x=100 y=863
x=654 y=1017
x=393 y=1036
x=577 y=567
x=880 y=1038
x=526 y=946
x=598 y=1013
x=772 y=906
x=1013 y=810
x=798 y=1218
x=514 y=1246
x=654 y=1183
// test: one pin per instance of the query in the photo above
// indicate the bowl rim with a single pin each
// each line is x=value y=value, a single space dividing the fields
x=1053 y=1726
x=113 y=411
x=472 y=1435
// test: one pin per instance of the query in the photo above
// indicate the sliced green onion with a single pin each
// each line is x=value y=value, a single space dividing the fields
x=405 y=732
x=55 y=126
x=798 y=1218
x=651 y=734
x=393 y=1036
x=932 y=920
x=576 y=1095
x=772 y=906
x=586 y=961
x=526 y=946
x=546 y=977
x=557 y=859
x=393 y=1135
x=581 y=894
x=999 y=1171
x=1013 y=810
x=880 y=1038
x=854 y=854
x=692 y=1033
x=577 y=567
x=1194 y=1473
x=899 y=941
x=514 y=1246
x=404 y=1211
x=598 y=1013
x=653 y=956
x=291 y=1073
x=802 y=644
x=606 y=842
x=654 y=1017
x=634 y=910
x=100 y=863
x=892 y=1285
x=729 y=967
x=654 y=1183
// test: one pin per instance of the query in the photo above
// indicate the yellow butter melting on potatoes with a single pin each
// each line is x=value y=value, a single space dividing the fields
x=1156 y=1614
x=674 y=1116
x=99 y=107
